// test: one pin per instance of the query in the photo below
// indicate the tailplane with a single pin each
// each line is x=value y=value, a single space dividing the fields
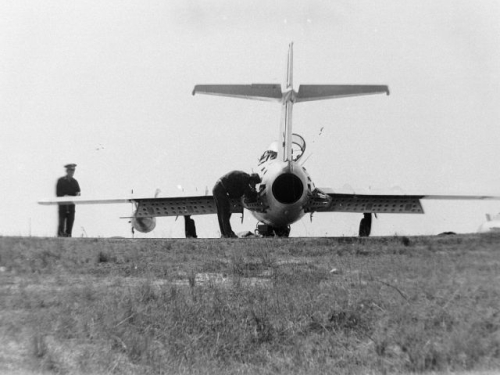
x=267 y=92
x=274 y=92
x=309 y=93
x=287 y=97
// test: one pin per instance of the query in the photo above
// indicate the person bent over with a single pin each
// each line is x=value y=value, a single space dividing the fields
x=235 y=184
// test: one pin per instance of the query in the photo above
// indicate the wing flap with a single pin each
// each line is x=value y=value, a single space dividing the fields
x=153 y=207
x=180 y=206
x=266 y=92
x=319 y=92
x=387 y=204
x=384 y=204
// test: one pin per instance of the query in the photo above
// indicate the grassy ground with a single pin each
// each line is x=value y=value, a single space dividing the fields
x=269 y=306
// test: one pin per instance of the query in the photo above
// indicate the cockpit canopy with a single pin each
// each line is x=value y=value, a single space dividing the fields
x=268 y=155
x=298 y=149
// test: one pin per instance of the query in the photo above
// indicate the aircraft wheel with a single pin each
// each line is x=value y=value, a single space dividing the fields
x=365 y=226
x=282 y=231
x=265 y=230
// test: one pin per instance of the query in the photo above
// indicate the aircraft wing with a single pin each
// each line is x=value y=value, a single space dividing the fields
x=79 y=200
x=155 y=207
x=264 y=91
x=180 y=206
x=379 y=203
x=369 y=203
x=319 y=92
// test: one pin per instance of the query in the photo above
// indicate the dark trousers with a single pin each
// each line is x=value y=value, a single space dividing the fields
x=66 y=220
x=223 y=205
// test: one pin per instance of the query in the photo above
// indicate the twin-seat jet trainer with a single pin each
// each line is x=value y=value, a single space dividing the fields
x=286 y=192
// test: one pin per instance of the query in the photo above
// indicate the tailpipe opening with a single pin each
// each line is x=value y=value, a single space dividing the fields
x=288 y=188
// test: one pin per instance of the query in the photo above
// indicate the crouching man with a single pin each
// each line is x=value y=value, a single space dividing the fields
x=235 y=184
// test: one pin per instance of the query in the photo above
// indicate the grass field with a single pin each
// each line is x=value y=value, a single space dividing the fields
x=267 y=306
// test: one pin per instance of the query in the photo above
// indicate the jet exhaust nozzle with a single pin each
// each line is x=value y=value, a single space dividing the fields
x=288 y=188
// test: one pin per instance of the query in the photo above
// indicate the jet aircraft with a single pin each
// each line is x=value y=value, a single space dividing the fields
x=287 y=191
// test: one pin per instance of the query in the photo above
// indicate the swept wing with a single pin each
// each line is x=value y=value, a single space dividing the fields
x=156 y=207
x=380 y=203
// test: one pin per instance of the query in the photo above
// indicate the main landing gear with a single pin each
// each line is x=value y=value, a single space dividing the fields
x=365 y=226
x=265 y=230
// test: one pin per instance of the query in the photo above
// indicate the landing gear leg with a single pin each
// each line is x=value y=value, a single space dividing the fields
x=365 y=226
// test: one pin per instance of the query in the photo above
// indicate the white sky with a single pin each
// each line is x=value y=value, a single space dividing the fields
x=107 y=85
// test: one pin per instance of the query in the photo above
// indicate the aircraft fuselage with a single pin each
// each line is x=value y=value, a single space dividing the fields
x=284 y=191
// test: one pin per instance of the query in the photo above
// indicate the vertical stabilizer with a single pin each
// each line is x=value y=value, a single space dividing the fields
x=285 y=135
x=289 y=68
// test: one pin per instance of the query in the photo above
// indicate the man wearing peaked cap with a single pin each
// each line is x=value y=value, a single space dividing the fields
x=67 y=186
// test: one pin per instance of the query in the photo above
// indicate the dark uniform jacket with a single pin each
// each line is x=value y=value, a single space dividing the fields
x=67 y=186
x=237 y=184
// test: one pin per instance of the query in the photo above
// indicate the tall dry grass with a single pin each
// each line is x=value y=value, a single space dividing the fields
x=346 y=306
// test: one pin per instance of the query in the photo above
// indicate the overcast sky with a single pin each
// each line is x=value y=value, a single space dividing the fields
x=107 y=85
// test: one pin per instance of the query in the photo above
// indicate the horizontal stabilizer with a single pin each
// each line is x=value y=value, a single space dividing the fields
x=267 y=92
x=319 y=92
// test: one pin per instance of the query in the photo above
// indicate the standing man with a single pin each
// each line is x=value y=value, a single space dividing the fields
x=235 y=184
x=67 y=185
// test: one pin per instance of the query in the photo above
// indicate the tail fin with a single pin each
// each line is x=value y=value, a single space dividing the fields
x=289 y=68
x=287 y=97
